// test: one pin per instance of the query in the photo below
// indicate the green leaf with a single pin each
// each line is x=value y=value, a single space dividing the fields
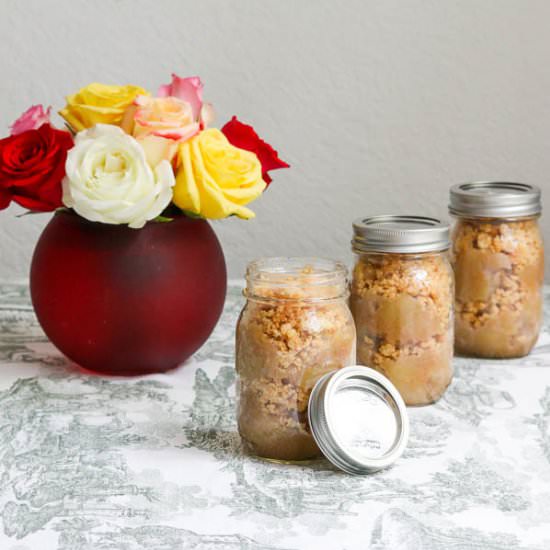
x=29 y=212
x=193 y=215
x=163 y=219
x=70 y=129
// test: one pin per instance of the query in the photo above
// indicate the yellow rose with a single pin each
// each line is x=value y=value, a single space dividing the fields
x=99 y=104
x=215 y=179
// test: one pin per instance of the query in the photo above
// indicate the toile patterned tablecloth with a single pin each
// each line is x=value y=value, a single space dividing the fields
x=154 y=463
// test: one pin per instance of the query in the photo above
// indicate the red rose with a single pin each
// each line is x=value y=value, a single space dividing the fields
x=32 y=165
x=244 y=136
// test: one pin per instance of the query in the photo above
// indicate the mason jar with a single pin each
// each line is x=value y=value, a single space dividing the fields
x=295 y=327
x=498 y=259
x=402 y=303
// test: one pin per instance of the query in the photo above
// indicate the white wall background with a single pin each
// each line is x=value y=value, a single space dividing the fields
x=378 y=105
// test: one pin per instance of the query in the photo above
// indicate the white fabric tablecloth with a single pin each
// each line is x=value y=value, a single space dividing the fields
x=154 y=463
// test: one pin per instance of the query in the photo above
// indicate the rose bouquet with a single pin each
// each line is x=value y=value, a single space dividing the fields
x=128 y=157
x=113 y=298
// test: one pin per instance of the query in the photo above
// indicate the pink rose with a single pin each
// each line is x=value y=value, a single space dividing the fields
x=190 y=90
x=31 y=119
x=165 y=117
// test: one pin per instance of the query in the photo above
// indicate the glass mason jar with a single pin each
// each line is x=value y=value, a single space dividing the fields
x=498 y=258
x=402 y=303
x=296 y=326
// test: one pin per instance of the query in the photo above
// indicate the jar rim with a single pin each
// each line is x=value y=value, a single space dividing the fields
x=301 y=274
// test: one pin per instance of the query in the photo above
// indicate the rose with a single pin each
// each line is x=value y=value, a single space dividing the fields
x=109 y=180
x=31 y=119
x=158 y=123
x=176 y=115
x=166 y=117
x=189 y=90
x=244 y=136
x=158 y=149
x=99 y=104
x=32 y=165
x=215 y=179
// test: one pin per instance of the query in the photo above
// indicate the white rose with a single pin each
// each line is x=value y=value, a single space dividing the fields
x=108 y=179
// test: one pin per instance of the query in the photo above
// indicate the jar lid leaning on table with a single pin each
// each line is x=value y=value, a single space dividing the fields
x=498 y=259
x=402 y=303
x=298 y=397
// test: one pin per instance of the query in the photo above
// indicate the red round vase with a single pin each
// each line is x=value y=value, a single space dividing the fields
x=127 y=301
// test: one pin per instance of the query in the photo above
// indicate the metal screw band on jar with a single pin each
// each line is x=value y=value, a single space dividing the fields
x=400 y=234
x=494 y=199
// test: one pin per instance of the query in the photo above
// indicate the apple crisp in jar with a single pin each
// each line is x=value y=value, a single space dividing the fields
x=296 y=326
x=402 y=303
x=498 y=258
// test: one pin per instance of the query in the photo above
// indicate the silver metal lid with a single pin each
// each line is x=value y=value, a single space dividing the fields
x=487 y=199
x=404 y=234
x=358 y=419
